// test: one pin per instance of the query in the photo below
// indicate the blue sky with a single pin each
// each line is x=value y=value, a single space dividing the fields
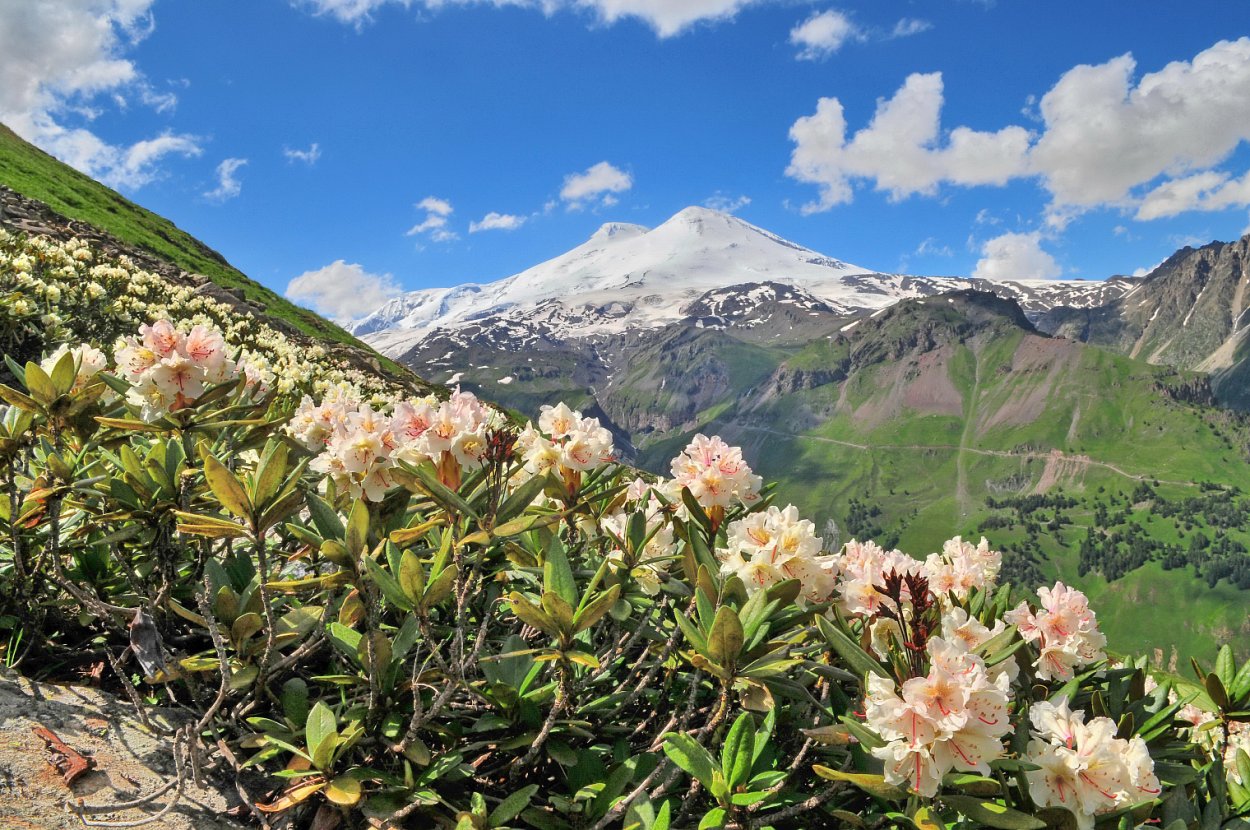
x=429 y=143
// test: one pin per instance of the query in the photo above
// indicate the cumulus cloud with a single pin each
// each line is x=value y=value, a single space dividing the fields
x=58 y=59
x=901 y=150
x=435 y=222
x=1104 y=140
x=228 y=184
x=343 y=291
x=497 y=222
x=597 y=183
x=822 y=34
x=309 y=156
x=1016 y=256
x=1210 y=190
x=665 y=17
x=726 y=203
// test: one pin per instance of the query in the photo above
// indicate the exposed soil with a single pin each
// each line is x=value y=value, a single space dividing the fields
x=127 y=760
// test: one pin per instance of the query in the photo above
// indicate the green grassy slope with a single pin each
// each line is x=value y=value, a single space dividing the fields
x=35 y=174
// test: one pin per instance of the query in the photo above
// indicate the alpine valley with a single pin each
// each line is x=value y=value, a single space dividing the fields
x=1089 y=428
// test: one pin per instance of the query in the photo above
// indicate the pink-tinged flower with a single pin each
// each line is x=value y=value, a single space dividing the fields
x=715 y=473
x=88 y=362
x=161 y=337
x=206 y=348
x=1084 y=767
x=774 y=545
x=863 y=565
x=962 y=566
x=945 y=720
x=179 y=380
x=1065 y=630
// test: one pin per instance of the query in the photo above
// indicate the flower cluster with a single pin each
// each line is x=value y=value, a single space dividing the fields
x=359 y=447
x=962 y=566
x=715 y=473
x=565 y=441
x=863 y=566
x=54 y=292
x=1084 y=767
x=168 y=369
x=953 y=718
x=774 y=545
x=1214 y=740
x=1064 y=629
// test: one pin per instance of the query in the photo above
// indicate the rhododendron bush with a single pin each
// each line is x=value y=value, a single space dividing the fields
x=414 y=612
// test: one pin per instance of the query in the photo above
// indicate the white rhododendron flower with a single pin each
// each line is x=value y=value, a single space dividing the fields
x=863 y=566
x=1065 y=630
x=565 y=441
x=1085 y=769
x=774 y=545
x=169 y=369
x=89 y=362
x=953 y=718
x=962 y=566
x=715 y=473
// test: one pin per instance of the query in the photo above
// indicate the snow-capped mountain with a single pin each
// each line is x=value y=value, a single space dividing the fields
x=629 y=277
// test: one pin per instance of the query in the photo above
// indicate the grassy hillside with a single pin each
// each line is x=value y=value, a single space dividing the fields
x=35 y=174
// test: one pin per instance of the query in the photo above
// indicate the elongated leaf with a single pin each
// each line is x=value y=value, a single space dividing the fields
x=387 y=584
x=270 y=473
x=405 y=537
x=411 y=576
x=324 y=517
x=594 y=612
x=1225 y=666
x=724 y=641
x=440 y=587
x=738 y=752
x=559 y=611
x=533 y=616
x=225 y=486
x=521 y=498
x=860 y=661
x=557 y=574
x=690 y=756
x=210 y=526
x=319 y=731
x=511 y=807
x=16 y=398
x=293 y=796
x=993 y=814
x=874 y=785
x=356 y=534
x=39 y=384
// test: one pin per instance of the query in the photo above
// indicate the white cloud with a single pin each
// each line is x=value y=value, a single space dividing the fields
x=57 y=59
x=725 y=203
x=822 y=34
x=1210 y=190
x=597 y=182
x=343 y=291
x=309 y=156
x=665 y=17
x=901 y=150
x=909 y=26
x=1015 y=256
x=497 y=222
x=227 y=185
x=1103 y=139
x=435 y=223
x=931 y=247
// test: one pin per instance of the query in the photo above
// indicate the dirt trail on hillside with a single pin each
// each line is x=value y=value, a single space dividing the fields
x=1076 y=461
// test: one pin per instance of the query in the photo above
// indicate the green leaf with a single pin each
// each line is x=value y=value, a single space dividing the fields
x=1240 y=687
x=713 y=818
x=356 y=534
x=440 y=588
x=874 y=785
x=324 y=517
x=411 y=576
x=64 y=373
x=320 y=735
x=512 y=806
x=725 y=640
x=521 y=498
x=993 y=814
x=926 y=819
x=594 y=612
x=557 y=574
x=389 y=586
x=225 y=486
x=559 y=611
x=1225 y=666
x=690 y=756
x=269 y=473
x=16 y=398
x=860 y=661
x=533 y=616
x=39 y=384
x=344 y=790
x=738 y=751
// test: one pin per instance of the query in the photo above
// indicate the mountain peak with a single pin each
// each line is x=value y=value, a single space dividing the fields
x=619 y=230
